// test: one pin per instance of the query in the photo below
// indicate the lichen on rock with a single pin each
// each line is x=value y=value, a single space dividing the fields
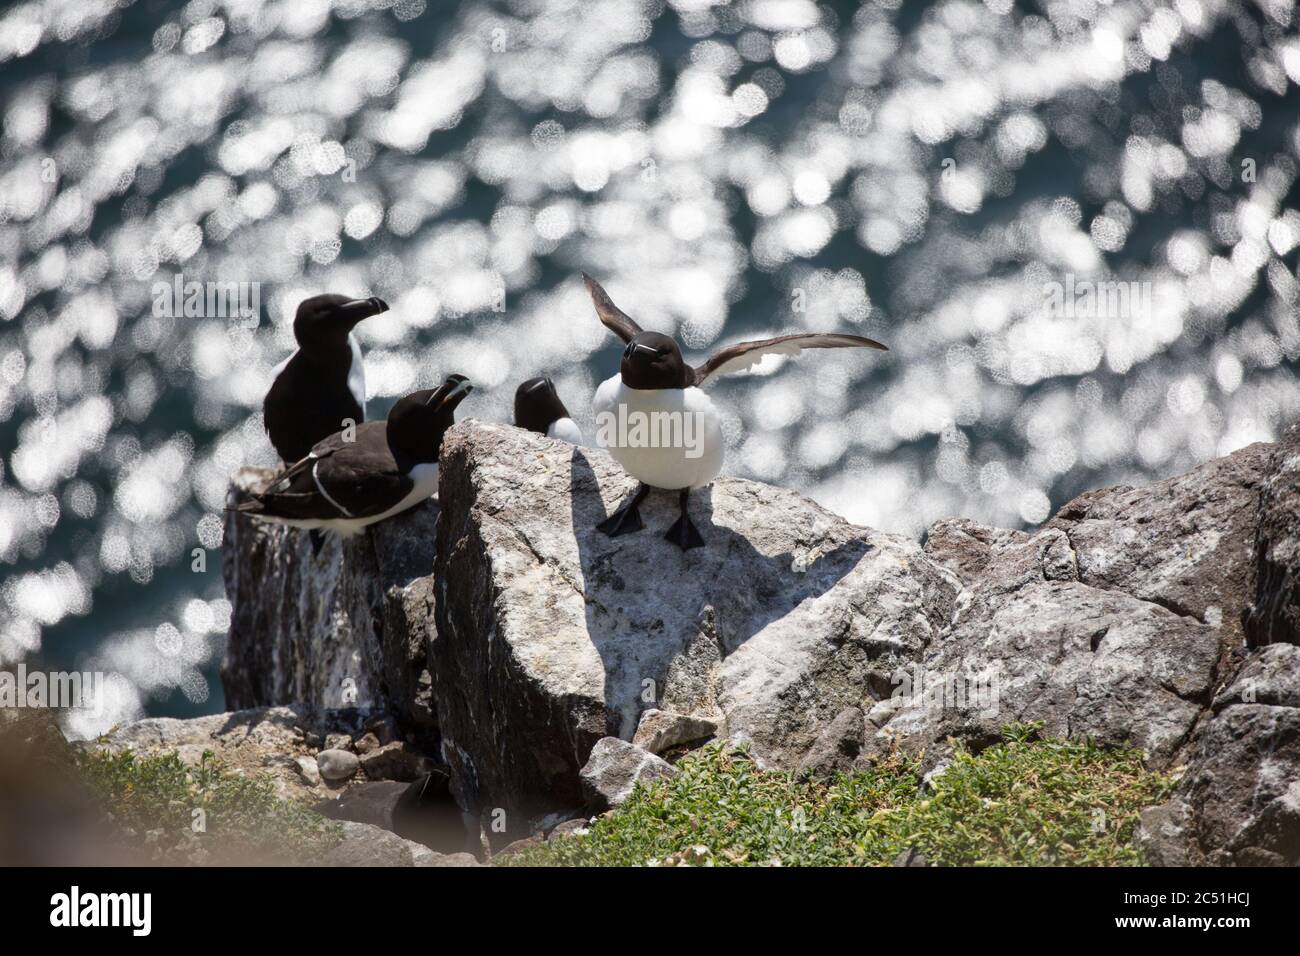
x=514 y=636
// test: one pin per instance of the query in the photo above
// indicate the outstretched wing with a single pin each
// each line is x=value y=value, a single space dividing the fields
x=611 y=316
x=745 y=355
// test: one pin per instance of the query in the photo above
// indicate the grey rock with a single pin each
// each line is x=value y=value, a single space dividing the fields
x=308 y=770
x=370 y=802
x=1162 y=834
x=1273 y=837
x=337 y=765
x=335 y=630
x=661 y=730
x=1242 y=762
x=366 y=743
x=423 y=856
x=1186 y=543
x=555 y=635
x=262 y=740
x=836 y=747
x=1082 y=660
x=338 y=742
x=395 y=761
x=615 y=768
x=383 y=727
x=910 y=857
x=1275 y=616
x=1271 y=676
x=269 y=728
x=1162 y=617
x=366 y=845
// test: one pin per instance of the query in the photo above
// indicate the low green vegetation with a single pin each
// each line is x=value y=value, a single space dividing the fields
x=1023 y=801
x=208 y=813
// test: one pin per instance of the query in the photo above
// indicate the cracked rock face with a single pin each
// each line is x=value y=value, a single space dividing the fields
x=1162 y=617
x=339 y=629
x=614 y=769
x=552 y=635
x=1028 y=643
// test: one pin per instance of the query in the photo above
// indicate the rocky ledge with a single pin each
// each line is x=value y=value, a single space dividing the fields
x=508 y=638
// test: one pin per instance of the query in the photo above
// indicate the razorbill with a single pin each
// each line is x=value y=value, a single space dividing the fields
x=322 y=384
x=344 y=486
x=654 y=379
x=538 y=408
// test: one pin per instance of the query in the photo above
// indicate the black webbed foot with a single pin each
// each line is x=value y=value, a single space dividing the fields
x=683 y=533
x=626 y=519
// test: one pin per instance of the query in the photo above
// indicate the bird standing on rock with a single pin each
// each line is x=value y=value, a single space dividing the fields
x=538 y=408
x=653 y=380
x=345 y=486
x=321 y=386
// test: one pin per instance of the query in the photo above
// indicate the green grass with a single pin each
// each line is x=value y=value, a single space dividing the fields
x=1023 y=801
x=152 y=801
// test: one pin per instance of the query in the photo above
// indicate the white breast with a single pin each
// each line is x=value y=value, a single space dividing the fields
x=357 y=375
x=565 y=429
x=680 y=444
x=275 y=372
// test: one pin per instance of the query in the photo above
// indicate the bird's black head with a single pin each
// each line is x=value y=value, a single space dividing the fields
x=326 y=320
x=417 y=423
x=538 y=405
x=652 y=360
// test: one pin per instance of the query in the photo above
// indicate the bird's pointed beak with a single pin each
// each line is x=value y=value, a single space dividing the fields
x=542 y=385
x=359 y=309
x=452 y=392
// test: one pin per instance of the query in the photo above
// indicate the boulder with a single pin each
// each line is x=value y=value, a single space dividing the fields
x=309 y=770
x=614 y=769
x=329 y=630
x=659 y=731
x=364 y=844
x=1160 y=617
x=836 y=748
x=1274 y=618
x=337 y=765
x=551 y=636
x=1082 y=659
x=369 y=802
x=264 y=740
x=395 y=761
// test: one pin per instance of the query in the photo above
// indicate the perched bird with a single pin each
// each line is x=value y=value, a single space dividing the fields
x=654 y=379
x=538 y=408
x=322 y=384
x=344 y=486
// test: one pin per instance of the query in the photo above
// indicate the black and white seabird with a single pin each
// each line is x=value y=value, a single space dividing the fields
x=654 y=379
x=344 y=486
x=322 y=384
x=538 y=408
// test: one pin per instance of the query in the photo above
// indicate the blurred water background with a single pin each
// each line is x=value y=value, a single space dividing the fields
x=923 y=173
